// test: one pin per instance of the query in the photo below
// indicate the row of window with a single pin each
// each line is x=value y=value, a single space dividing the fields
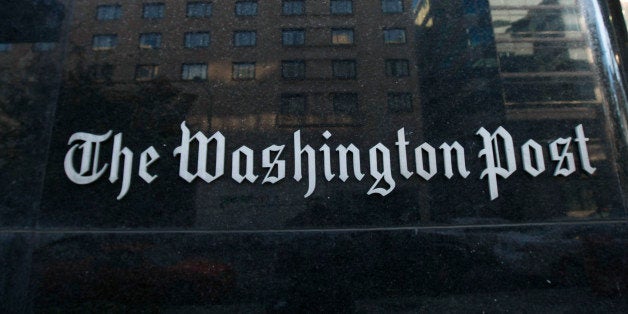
x=246 y=38
x=343 y=69
x=345 y=103
x=193 y=71
x=290 y=69
x=291 y=103
x=341 y=36
x=156 y=10
x=37 y=47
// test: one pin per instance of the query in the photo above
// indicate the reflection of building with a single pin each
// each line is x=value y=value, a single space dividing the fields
x=624 y=10
x=547 y=68
x=539 y=50
x=264 y=64
x=29 y=80
x=155 y=244
x=545 y=61
x=460 y=91
x=257 y=71
x=527 y=65
x=459 y=75
x=29 y=56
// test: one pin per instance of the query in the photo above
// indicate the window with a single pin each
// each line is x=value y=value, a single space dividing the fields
x=392 y=6
x=244 y=38
x=293 y=37
x=397 y=67
x=43 y=46
x=293 y=69
x=194 y=71
x=246 y=8
x=150 y=40
x=293 y=7
x=199 y=9
x=342 y=36
x=197 y=40
x=395 y=36
x=243 y=70
x=145 y=72
x=108 y=12
x=344 y=69
x=293 y=104
x=341 y=6
x=345 y=102
x=399 y=102
x=104 y=42
x=4 y=47
x=153 y=10
x=100 y=72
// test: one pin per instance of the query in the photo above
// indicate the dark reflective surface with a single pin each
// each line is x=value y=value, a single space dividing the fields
x=314 y=83
x=30 y=73
x=569 y=268
x=379 y=156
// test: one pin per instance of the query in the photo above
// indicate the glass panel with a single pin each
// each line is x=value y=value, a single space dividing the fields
x=293 y=104
x=407 y=156
x=197 y=40
x=194 y=71
x=400 y=102
x=153 y=10
x=104 y=42
x=529 y=67
x=341 y=7
x=345 y=69
x=293 y=37
x=392 y=6
x=43 y=46
x=294 y=69
x=342 y=36
x=199 y=9
x=293 y=7
x=533 y=68
x=150 y=40
x=397 y=67
x=345 y=103
x=146 y=72
x=395 y=36
x=246 y=8
x=244 y=38
x=243 y=71
x=108 y=12
x=5 y=47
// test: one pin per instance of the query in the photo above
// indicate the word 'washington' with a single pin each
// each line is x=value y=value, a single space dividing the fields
x=498 y=153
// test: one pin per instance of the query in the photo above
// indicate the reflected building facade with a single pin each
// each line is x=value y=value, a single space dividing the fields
x=260 y=71
x=550 y=80
x=538 y=49
x=335 y=72
x=257 y=65
x=257 y=71
x=526 y=65
x=30 y=63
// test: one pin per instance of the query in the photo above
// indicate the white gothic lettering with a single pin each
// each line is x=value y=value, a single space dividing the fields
x=498 y=152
